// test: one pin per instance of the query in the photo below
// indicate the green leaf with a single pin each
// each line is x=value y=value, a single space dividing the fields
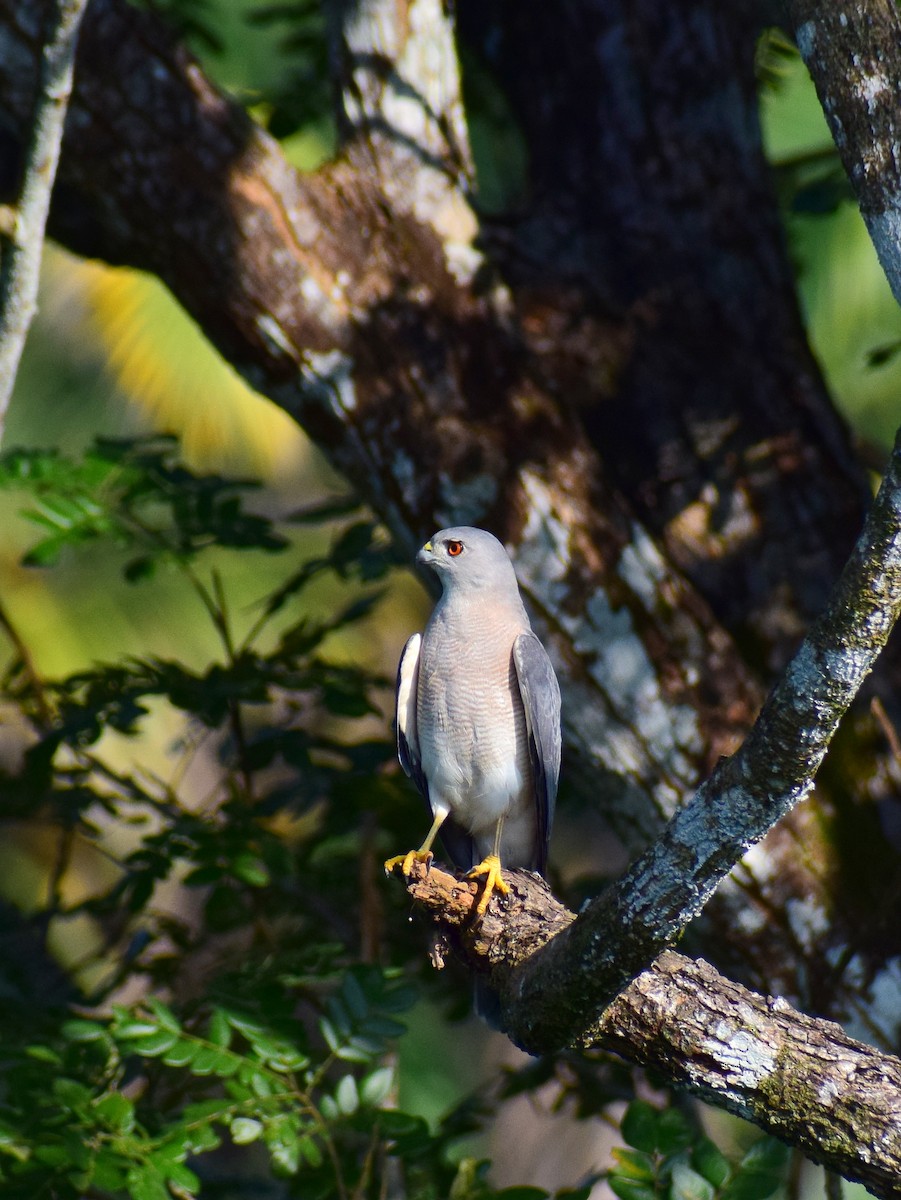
x=71 y=1093
x=164 y=1015
x=760 y=1172
x=245 y=1130
x=280 y=1056
x=709 y=1161
x=282 y=1137
x=210 y=1110
x=13 y=1144
x=382 y=1027
x=376 y=1086
x=84 y=1031
x=359 y=1050
x=116 y=1112
x=204 y=1138
x=145 y=1183
x=346 y=1095
x=309 y=1150
x=156 y=1044
x=136 y=1029
x=52 y=1155
x=251 y=869
x=285 y=1158
x=674 y=1132
x=767 y=1154
x=183 y=1178
x=109 y=1172
x=689 y=1185
x=210 y=1061
x=631 y=1189
x=329 y=1034
x=633 y=1164
x=262 y=1085
x=181 y=1053
x=44 y=1054
x=352 y=994
x=246 y=1026
x=639 y=1126
x=339 y=1017
x=175 y=1148
x=219 y=1031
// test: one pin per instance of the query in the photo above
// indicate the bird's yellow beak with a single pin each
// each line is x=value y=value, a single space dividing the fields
x=427 y=546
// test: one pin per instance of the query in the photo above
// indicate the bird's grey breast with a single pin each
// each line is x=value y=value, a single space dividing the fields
x=472 y=730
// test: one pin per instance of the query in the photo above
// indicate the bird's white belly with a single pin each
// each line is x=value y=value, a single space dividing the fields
x=478 y=790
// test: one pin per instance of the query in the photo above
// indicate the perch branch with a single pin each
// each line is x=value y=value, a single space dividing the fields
x=801 y=1079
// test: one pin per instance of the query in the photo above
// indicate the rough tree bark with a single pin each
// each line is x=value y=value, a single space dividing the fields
x=650 y=197
x=801 y=1079
x=485 y=378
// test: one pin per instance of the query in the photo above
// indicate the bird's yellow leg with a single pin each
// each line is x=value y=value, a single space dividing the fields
x=423 y=854
x=490 y=867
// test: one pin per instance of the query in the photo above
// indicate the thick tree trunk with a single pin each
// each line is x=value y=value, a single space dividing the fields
x=650 y=197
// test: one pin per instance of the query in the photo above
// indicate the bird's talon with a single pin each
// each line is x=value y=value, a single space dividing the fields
x=406 y=861
x=490 y=867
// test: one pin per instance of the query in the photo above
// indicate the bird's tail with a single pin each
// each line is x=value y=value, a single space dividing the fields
x=487 y=1002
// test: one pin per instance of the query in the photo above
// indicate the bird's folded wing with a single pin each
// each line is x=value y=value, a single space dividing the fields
x=541 y=701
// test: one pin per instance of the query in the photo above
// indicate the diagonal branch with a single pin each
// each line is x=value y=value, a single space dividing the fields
x=625 y=929
x=801 y=1079
x=853 y=53
x=21 y=248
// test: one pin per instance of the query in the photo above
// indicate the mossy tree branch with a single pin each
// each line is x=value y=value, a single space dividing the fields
x=801 y=1079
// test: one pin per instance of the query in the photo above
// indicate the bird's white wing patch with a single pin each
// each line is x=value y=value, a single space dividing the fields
x=407 y=734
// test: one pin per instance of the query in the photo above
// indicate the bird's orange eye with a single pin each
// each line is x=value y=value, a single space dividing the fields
x=454 y=548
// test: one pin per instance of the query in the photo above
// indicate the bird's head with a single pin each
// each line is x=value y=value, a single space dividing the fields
x=468 y=560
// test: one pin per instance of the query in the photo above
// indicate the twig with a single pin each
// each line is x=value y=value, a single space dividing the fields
x=877 y=708
x=21 y=251
x=61 y=866
x=20 y=646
